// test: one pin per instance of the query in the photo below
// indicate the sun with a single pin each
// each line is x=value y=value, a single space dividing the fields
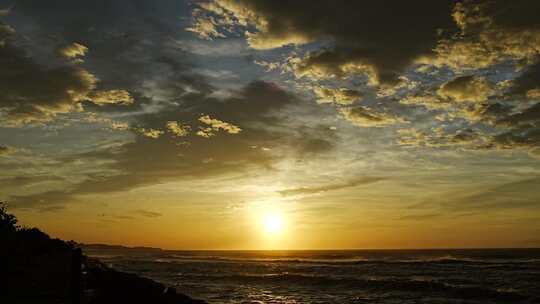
x=273 y=223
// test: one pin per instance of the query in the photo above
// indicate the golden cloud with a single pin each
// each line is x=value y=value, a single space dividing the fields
x=216 y=125
x=73 y=50
x=149 y=132
x=490 y=34
x=340 y=96
x=366 y=117
x=466 y=88
x=178 y=129
x=121 y=97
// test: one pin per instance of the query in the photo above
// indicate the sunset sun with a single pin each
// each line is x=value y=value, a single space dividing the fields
x=273 y=223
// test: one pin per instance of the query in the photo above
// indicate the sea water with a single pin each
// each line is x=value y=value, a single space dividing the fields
x=352 y=276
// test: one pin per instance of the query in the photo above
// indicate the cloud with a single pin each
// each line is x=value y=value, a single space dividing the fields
x=43 y=201
x=146 y=213
x=520 y=130
x=330 y=187
x=5 y=32
x=515 y=194
x=309 y=146
x=258 y=108
x=163 y=159
x=340 y=96
x=205 y=28
x=524 y=137
x=6 y=150
x=366 y=37
x=121 y=97
x=73 y=50
x=4 y=12
x=151 y=133
x=178 y=129
x=421 y=217
x=533 y=94
x=535 y=152
x=430 y=101
x=116 y=125
x=34 y=93
x=26 y=180
x=525 y=117
x=440 y=137
x=365 y=117
x=131 y=47
x=491 y=32
x=466 y=88
x=527 y=84
x=216 y=125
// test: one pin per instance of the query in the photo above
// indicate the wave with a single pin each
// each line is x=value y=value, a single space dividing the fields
x=383 y=285
x=345 y=261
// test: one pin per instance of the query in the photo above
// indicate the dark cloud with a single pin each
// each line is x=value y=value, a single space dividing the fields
x=130 y=45
x=528 y=83
x=79 y=20
x=466 y=88
x=49 y=200
x=26 y=180
x=30 y=92
x=258 y=109
x=529 y=116
x=466 y=135
x=522 y=137
x=522 y=130
x=519 y=15
x=310 y=145
x=330 y=187
x=367 y=117
x=492 y=32
x=5 y=32
x=441 y=137
x=255 y=109
x=381 y=38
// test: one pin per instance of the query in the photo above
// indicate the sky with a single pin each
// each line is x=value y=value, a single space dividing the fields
x=262 y=124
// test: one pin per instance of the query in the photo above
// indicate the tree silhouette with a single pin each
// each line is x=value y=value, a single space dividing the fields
x=8 y=222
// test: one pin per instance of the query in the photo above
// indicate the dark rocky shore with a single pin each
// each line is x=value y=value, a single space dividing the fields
x=105 y=285
x=37 y=269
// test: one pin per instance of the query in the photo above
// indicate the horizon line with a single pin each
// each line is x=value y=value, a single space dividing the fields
x=334 y=249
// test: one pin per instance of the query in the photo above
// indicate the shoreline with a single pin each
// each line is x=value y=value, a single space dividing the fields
x=103 y=284
x=36 y=268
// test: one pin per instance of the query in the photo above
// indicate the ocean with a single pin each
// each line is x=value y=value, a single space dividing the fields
x=352 y=276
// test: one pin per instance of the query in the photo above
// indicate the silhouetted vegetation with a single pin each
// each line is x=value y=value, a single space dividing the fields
x=35 y=268
x=8 y=222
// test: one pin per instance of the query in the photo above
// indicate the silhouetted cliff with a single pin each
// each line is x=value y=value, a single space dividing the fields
x=38 y=269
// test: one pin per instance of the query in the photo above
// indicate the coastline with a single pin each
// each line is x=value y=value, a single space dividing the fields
x=35 y=268
x=102 y=284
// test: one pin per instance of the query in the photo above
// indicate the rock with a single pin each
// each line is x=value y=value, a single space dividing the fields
x=111 y=286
